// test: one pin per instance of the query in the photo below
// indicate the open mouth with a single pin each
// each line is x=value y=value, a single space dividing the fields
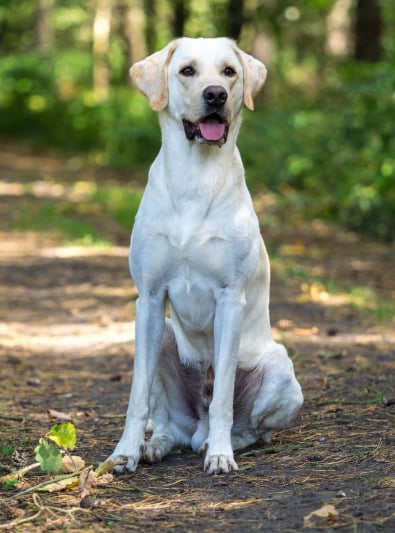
x=210 y=130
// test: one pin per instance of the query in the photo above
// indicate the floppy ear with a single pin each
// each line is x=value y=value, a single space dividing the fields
x=254 y=77
x=150 y=76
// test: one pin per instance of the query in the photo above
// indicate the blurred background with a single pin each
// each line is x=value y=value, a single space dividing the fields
x=321 y=142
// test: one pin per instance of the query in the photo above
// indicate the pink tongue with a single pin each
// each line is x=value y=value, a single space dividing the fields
x=212 y=130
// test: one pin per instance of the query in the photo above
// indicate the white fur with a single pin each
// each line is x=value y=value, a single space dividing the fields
x=196 y=246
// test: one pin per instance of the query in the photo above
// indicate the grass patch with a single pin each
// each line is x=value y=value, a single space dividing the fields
x=330 y=292
x=58 y=218
x=88 y=220
x=11 y=443
x=120 y=202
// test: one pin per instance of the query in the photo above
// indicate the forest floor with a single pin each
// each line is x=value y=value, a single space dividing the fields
x=66 y=344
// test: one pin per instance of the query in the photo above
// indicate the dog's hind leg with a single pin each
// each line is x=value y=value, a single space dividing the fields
x=247 y=386
x=163 y=438
x=280 y=395
x=174 y=395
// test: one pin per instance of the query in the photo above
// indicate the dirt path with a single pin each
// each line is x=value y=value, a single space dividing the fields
x=66 y=343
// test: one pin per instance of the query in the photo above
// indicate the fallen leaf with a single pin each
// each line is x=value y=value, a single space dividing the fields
x=105 y=479
x=324 y=516
x=59 y=415
x=105 y=467
x=71 y=464
x=87 y=480
x=91 y=479
x=59 y=485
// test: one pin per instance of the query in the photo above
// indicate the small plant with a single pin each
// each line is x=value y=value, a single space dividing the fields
x=379 y=398
x=48 y=455
x=11 y=483
x=53 y=456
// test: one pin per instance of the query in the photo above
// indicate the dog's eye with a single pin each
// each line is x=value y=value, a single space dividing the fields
x=229 y=72
x=188 y=71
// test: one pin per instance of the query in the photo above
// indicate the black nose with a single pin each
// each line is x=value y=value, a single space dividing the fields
x=215 y=95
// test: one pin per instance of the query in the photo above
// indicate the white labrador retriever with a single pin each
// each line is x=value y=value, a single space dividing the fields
x=211 y=376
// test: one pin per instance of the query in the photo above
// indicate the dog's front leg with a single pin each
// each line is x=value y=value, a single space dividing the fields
x=227 y=329
x=149 y=330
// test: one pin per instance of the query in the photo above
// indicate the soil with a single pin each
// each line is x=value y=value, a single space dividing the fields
x=66 y=343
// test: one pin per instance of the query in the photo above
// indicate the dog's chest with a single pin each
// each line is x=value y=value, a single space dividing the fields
x=205 y=257
x=192 y=233
x=190 y=228
x=200 y=257
x=197 y=253
x=192 y=299
x=191 y=247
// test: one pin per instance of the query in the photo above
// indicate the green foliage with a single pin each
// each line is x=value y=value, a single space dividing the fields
x=129 y=132
x=46 y=99
x=367 y=146
x=48 y=456
x=65 y=218
x=121 y=202
x=323 y=140
x=332 y=158
x=76 y=220
x=10 y=483
x=63 y=435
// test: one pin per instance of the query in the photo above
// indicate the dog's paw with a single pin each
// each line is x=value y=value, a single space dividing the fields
x=123 y=463
x=155 y=449
x=199 y=440
x=203 y=447
x=219 y=464
x=125 y=457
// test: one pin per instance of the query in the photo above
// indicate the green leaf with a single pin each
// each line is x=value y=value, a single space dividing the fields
x=11 y=482
x=48 y=456
x=63 y=435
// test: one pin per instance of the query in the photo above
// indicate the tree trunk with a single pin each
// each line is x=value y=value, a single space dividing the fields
x=181 y=13
x=235 y=18
x=150 y=26
x=133 y=24
x=338 y=26
x=44 y=28
x=101 y=40
x=368 y=30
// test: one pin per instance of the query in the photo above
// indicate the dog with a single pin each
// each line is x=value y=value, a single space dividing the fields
x=210 y=376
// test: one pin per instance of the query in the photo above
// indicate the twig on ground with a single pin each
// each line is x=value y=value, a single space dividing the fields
x=18 y=474
x=48 y=482
x=15 y=418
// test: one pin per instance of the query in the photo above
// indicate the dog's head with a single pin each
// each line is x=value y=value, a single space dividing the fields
x=202 y=84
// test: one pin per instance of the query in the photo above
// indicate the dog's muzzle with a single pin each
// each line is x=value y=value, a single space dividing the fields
x=211 y=128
